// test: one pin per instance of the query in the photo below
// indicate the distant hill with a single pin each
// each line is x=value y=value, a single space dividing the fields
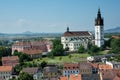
x=27 y=32
x=113 y=30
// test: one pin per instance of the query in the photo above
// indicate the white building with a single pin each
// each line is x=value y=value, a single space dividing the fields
x=74 y=39
x=70 y=68
x=99 y=30
x=6 y=72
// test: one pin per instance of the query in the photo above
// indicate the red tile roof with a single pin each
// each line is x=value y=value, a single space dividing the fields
x=71 y=66
x=10 y=58
x=32 y=51
x=77 y=33
x=109 y=74
x=63 y=78
x=75 y=77
x=5 y=68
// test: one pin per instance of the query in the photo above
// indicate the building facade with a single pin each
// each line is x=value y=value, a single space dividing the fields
x=6 y=72
x=10 y=61
x=70 y=68
x=99 y=30
x=74 y=39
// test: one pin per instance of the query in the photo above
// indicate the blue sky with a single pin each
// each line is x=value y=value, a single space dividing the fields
x=17 y=16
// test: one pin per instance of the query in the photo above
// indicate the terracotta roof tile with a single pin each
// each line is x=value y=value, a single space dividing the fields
x=5 y=68
x=71 y=66
x=75 y=77
x=10 y=58
x=63 y=78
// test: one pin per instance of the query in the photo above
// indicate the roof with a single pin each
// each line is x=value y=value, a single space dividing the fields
x=90 y=77
x=32 y=51
x=31 y=70
x=109 y=74
x=51 y=69
x=71 y=66
x=10 y=58
x=75 y=77
x=105 y=66
x=77 y=33
x=84 y=65
x=63 y=78
x=5 y=68
x=116 y=37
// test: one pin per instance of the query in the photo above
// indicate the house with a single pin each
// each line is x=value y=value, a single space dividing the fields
x=35 y=71
x=112 y=74
x=75 y=77
x=33 y=48
x=33 y=53
x=104 y=67
x=5 y=72
x=50 y=72
x=74 y=39
x=63 y=78
x=115 y=65
x=10 y=61
x=70 y=68
x=90 y=77
x=85 y=67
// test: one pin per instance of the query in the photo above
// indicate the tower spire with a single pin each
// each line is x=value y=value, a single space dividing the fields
x=67 y=28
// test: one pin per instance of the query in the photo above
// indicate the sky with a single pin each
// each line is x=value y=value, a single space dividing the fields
x=51 y=16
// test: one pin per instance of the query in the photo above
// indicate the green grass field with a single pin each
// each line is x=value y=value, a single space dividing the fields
x=75 y=57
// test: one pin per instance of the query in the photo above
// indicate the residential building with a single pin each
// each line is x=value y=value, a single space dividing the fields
x=85 y=67
x=99 y=30
x=33 y=48
x=75 y=77
x=90 y=77
x=63 y=78
x=104 y=67
x=74 y=39
x=50 y=72
x=35 y=71
x=70 y=68
x=111 y=74
x=115 y=65
x=10 y=61
x=5 y=72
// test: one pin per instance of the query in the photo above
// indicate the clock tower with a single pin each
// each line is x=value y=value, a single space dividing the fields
x=99 y=30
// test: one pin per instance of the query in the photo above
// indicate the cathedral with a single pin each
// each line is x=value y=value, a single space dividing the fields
x=74 y=39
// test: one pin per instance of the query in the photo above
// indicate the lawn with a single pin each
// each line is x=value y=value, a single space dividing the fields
x=62 y=59
x=75 y=57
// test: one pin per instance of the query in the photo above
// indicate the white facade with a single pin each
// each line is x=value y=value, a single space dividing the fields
x=99 y=30
x=73 y=42
x=5 y=75
x=99 y=35
x=67 y=73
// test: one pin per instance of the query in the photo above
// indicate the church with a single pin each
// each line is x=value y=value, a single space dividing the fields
x=74 y=39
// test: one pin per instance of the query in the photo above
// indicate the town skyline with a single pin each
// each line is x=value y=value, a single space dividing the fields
x=55 y=15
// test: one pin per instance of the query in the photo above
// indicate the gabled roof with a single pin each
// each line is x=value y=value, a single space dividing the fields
x=51 y=69
x=31 y=70
x=10 y=58
x=77 y=33
x=71 y=66
x=6 y=68
x=32 y=51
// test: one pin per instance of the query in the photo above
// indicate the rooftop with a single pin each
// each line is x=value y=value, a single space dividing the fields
x=10 y=58
x=6 y=68
x=77 y=33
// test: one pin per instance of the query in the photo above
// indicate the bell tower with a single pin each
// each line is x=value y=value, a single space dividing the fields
x=99 y=30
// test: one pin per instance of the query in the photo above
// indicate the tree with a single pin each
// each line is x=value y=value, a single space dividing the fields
x=43 y=64
x=115 y=45
x=94 y=49
x=22 y=56
x=81 y=49
x=25 y=76
x=57 y=48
